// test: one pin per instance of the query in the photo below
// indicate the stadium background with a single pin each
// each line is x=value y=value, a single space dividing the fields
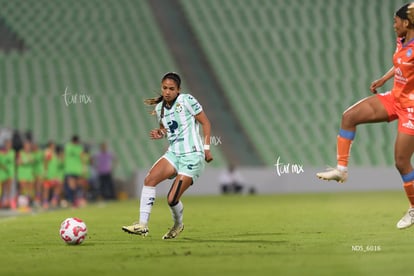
x=273 y=75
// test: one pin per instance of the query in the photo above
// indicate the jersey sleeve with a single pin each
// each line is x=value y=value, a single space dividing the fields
x=192 y=105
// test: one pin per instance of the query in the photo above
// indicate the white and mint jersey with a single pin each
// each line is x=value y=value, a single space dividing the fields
x=182 y=128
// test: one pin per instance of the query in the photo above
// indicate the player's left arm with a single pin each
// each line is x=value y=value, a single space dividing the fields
x=201 y=117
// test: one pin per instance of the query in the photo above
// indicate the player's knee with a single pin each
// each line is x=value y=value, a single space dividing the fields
x=403 y=164
x=349 y=118
x=149 y=181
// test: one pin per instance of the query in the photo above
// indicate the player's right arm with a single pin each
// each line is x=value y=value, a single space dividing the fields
x=158 y=133
x=381 y=81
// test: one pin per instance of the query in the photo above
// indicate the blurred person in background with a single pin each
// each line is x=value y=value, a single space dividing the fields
x=86 y=173
x=231 y=181
x=7 y=175
x=73 y=172
x=38 y=171
x=54 y=174
x=25 y=176
x=104 y=162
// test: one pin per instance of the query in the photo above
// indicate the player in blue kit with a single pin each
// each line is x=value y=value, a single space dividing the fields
x=180 y=116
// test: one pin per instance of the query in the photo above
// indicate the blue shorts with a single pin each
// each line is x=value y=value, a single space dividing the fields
x=189 y=164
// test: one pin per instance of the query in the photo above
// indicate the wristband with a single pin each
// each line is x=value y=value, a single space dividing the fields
x=206 y=147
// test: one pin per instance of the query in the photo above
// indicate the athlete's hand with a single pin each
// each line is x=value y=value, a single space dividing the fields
x=157 y=133
x=376 y=84
x=208 y=156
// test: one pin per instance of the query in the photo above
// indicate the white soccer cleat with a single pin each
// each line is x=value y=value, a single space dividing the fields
x=333 y=174
x=137 y=229
x=407 y=220
x=173 y=232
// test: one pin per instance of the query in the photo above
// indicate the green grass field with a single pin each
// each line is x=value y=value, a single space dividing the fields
x=307 y=234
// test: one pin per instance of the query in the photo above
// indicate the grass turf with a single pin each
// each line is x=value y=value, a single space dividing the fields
x=306 y=234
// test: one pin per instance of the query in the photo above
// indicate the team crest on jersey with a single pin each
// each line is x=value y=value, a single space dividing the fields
x=178 y=108
x=409 y=52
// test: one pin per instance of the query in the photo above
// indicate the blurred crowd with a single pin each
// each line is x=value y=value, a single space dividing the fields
x=53 y=175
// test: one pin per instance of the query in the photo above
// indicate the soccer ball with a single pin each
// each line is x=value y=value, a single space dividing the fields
x=73 y=231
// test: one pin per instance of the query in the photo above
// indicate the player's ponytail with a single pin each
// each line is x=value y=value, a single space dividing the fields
x=153 y=101
x=410 y=13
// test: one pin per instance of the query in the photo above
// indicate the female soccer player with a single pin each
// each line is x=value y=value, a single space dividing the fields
x=395 y=104
x=179 y=116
